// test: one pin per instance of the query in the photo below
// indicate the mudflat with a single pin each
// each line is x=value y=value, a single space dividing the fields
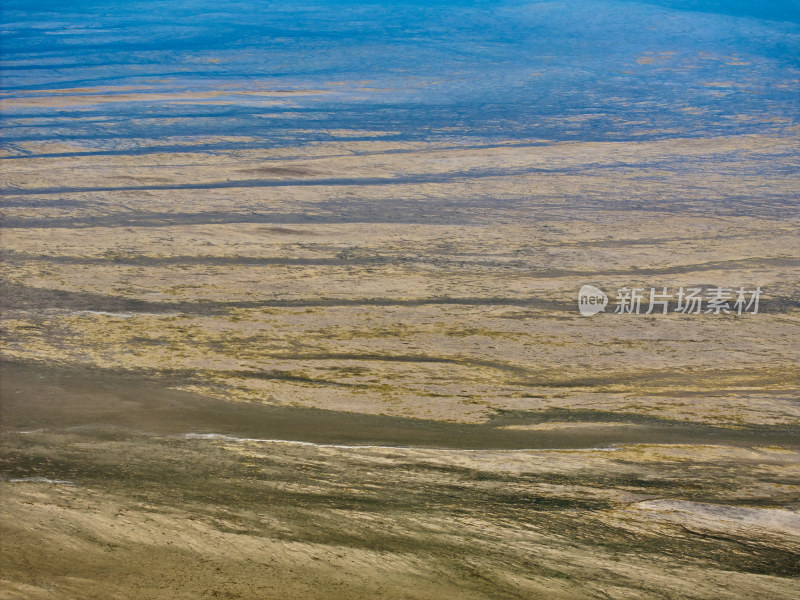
x=114 y=483
x=289 y=300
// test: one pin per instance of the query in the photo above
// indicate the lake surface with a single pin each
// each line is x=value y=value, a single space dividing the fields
x=282 y=73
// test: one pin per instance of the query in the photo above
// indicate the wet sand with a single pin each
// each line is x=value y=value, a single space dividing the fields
x=59 y=399
x=289 y=301
x=103 y=489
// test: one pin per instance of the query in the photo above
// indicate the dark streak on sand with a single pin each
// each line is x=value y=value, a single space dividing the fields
x=59 y=399
x=20 y=297
x=266 y=183
x=518 y=266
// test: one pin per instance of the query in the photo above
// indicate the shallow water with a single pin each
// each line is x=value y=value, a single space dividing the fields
x=596 y=70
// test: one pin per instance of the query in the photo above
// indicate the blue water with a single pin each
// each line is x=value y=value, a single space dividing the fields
x=593 y=70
